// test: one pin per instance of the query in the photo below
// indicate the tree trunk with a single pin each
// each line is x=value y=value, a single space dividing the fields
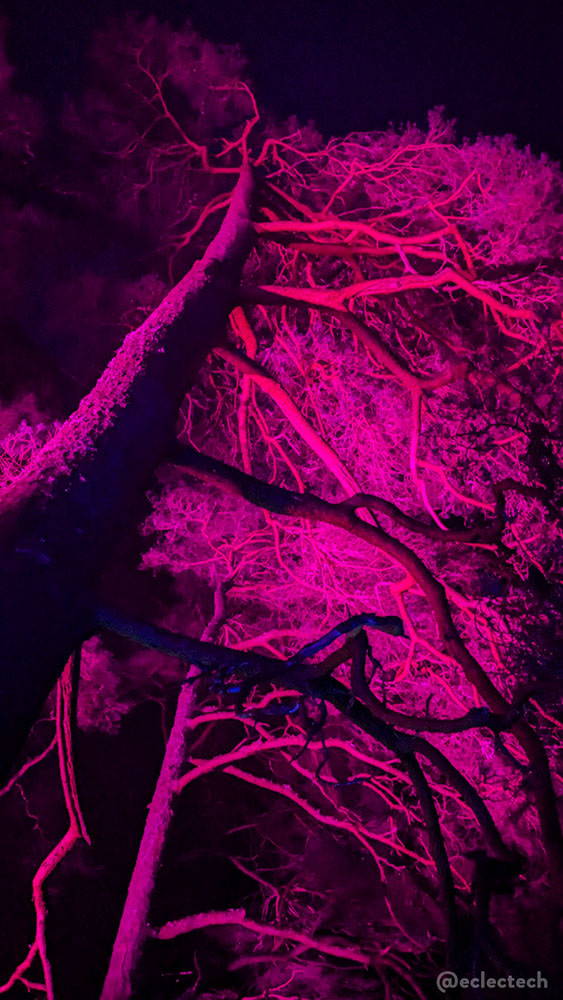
x=61 y=519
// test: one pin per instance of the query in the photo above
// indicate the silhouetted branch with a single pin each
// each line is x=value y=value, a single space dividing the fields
x=311 y=508
x=257 y=668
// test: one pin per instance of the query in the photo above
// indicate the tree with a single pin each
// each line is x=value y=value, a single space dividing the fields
x=367 y=470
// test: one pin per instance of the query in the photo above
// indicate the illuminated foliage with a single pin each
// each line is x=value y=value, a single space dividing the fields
x=393 y=365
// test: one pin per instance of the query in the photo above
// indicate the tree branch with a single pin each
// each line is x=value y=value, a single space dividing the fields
x=260 y=668
x=311 y=508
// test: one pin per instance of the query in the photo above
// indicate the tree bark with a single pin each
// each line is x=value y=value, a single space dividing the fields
x=61 y=520
x=134 y=927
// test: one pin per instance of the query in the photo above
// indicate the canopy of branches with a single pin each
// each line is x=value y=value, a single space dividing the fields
x=398 y=335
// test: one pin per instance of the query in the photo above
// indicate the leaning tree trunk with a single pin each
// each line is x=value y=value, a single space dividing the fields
x=60 y=520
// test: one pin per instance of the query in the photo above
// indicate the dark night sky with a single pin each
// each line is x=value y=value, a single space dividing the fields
x=348 y=65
